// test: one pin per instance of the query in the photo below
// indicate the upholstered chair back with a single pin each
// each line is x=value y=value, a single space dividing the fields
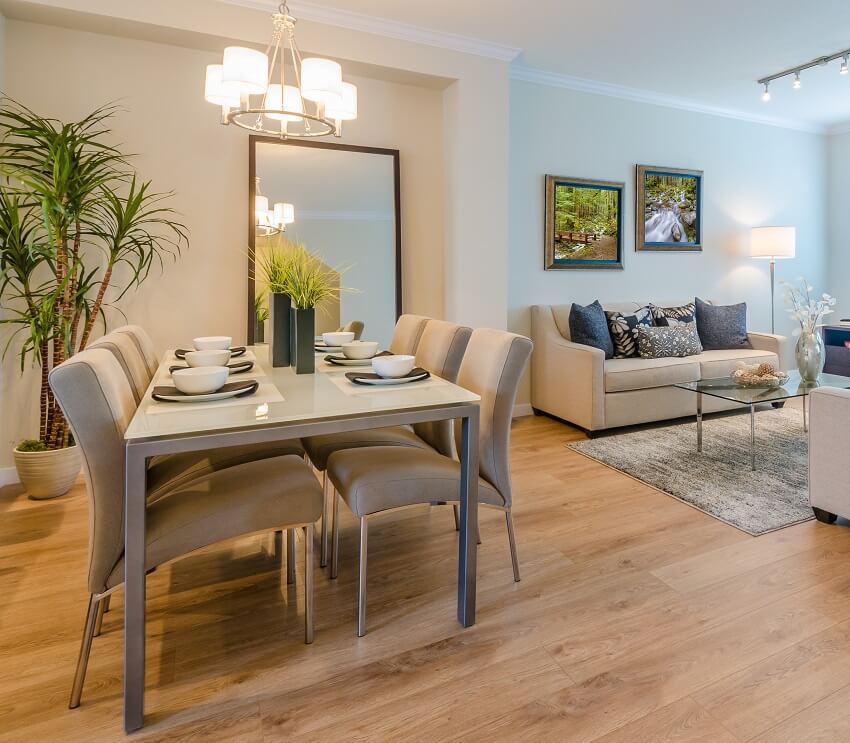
x=97 y=400
x=356 y=327
x=145 y=344
x=130 y=356
x=440 y=351
x=492 y=366
x=408 y=331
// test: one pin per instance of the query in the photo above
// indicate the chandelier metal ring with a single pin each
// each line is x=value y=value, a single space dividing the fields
x=233 y=117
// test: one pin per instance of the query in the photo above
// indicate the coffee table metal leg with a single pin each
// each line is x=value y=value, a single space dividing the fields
x=699 y=421
x=753 y=436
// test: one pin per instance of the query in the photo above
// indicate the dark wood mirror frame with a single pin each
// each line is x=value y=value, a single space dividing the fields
x=253 y=141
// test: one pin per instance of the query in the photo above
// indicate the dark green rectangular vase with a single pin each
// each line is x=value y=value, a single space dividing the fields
x=304 y=340
x=281 y=329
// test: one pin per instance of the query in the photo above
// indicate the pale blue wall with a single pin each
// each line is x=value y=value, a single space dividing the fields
x=838 y=176
x=754 y=175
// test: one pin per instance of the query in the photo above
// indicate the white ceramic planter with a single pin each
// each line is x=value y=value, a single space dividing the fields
x=48 y=474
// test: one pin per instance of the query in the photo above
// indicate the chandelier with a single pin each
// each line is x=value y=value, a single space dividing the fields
x=252 y=89
x=268 y=222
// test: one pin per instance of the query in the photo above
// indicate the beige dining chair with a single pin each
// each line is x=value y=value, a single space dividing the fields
x=377 y=479
x=408 y=330
x=144 y=343
x=253 y=497
x=440 y=350
x=355 y=326
x=165 y=471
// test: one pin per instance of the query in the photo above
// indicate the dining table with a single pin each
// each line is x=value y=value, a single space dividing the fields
x=285 y=405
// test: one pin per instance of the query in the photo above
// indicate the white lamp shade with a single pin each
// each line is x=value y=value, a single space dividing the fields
x=773 y=242
x=291 y=102
x=284 y=213
x=217 y=91
x=321 y=81
x=347 y=108
x=246 y=69
x=261 y=206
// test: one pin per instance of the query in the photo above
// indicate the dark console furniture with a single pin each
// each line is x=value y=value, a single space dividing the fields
x=837 y=353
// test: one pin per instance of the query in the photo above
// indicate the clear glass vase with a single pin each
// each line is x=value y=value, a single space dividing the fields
x=810 y=355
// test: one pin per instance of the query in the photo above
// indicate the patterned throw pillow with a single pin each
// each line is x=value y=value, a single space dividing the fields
x=669 y=316
x=662 y=343
x=624 y=330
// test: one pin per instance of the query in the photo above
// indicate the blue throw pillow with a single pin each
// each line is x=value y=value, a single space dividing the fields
x=722 y=327
x=589 y=326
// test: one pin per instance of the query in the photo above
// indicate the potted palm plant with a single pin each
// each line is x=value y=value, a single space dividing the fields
x=78 y=229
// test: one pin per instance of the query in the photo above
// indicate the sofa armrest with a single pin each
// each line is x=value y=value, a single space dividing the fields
x=567 y=379
x=770 y=342
x=829 y=440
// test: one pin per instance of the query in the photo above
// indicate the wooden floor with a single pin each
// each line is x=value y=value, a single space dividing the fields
x=637 y=619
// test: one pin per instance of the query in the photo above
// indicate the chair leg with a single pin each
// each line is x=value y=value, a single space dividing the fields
x=457 y=516
x=361 y=586
x=323 y=555
x=308 y=584
x=290 y=556
x=98 y=620
x=85 y=649
x=278 y=546
x=106 y=603
x=509 y=521
x=335 y=538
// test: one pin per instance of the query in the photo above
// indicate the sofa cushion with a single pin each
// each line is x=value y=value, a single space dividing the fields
x=722 y=326
x=721 y=363
x=664 y=316
x=589 y=327
x=624 y=330
x=672 y=340
x=638 y=374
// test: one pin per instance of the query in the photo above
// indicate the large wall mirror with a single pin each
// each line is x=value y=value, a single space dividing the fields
x=345 y=209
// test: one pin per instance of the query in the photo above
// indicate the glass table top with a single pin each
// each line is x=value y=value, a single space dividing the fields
x=726 y=388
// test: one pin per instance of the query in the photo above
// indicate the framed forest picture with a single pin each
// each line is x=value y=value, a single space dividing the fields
x=584 y=223
x=668 y=209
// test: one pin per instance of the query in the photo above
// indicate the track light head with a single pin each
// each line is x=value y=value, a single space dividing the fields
x=766 y=95
x=796 y=84
x=843 y=69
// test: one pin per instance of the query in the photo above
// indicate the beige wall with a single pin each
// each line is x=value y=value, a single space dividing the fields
x=182 y=147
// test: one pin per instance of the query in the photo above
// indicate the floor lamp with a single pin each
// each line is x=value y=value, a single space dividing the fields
x=773 y=243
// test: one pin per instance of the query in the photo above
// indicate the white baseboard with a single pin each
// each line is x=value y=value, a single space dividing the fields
x=8 y=476
x=523 y=409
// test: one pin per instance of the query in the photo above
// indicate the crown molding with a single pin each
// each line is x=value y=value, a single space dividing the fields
x=583 y=85
x=382 y=27
x=840 y=128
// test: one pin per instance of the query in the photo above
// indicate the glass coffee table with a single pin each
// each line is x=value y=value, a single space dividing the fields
x=726 y=389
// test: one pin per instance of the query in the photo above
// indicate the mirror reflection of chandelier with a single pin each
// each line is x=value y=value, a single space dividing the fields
x=267 y=221
x=252 y=90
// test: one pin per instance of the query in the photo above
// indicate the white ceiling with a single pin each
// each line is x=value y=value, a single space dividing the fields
x=702 y=54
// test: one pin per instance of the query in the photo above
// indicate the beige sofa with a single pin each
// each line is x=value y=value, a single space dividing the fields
x=576 y=383
x=829 y=494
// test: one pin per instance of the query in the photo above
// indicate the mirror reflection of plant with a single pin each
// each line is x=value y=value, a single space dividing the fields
x=289 y=268
x=261 y=310
x=72 y=210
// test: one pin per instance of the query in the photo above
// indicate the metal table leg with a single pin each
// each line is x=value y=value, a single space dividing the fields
x=752 y=436
x=468 y=542
x=135 y=473
x=699 y=422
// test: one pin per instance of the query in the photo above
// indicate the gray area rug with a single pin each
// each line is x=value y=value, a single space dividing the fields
x=719 y=481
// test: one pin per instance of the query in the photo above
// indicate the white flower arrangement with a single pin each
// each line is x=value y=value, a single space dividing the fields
x=804 y=307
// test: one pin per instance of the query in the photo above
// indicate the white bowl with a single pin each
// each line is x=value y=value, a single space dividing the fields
x=212 y=343
x=199 y=380
x=360 y=349
x=337 y=339
x=208 y=358
x=393 y=367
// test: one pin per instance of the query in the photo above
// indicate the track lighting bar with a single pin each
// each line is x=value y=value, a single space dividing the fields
x=843 y=55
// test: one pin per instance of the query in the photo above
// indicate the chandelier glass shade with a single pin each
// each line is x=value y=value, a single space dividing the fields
x=278 y=93
x=268 y=222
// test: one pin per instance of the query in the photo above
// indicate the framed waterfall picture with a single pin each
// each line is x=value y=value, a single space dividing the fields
x=668 y=209
x=584 y=223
